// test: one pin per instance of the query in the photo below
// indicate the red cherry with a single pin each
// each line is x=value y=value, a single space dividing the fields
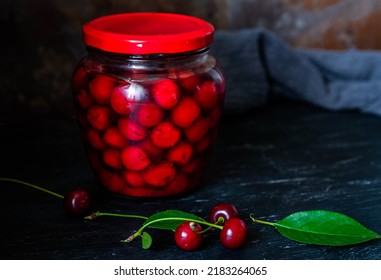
x=150 y=148
x=181 y=153
x=190 y=83
x=222 y=210
x=214 y=116
x=114 y=138
x=95 y=139
x=99 y=117
x=134 y=179
x=197 y=130
x=188 y=236
x=192 y=166
x=142 y=192
x=101 y=88
x=185 y=113
x=126 y=97
x=233 y=234
x=77 y=202
x=84 y=99
x=112 y=158
x=134 y=158
x=178 y=185
x=165 y=135
x=131 y=129
x=149 y=115
x=80 y=79
x=166 y=93
x=203 y=145
x=159 y=175
x=207 y=95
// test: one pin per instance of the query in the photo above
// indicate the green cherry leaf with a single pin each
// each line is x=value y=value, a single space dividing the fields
x=146 y=240
x=169 y=219
x=322 y=227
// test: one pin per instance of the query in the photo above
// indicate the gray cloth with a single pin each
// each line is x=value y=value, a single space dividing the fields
x=257 y=63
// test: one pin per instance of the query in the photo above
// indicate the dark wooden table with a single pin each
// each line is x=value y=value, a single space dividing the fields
x=274 y=161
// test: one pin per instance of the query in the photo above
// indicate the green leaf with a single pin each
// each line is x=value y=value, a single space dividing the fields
x=322 y=227
x=146 y=240
x=169 y=219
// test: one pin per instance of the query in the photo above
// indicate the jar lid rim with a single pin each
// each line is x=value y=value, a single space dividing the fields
x=148 y=33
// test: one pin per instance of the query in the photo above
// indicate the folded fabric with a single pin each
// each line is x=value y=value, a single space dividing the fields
x=256 y=63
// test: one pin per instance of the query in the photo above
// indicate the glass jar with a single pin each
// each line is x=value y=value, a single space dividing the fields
x=148 y=99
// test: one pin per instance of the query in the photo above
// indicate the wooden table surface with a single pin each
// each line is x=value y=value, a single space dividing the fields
x=273 y=161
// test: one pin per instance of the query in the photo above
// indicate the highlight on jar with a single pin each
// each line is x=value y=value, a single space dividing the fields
x=148 y=98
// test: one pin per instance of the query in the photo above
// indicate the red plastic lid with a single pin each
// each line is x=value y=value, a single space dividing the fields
x=148 y=33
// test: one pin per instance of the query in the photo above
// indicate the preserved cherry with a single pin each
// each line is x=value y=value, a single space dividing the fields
x=148 y=123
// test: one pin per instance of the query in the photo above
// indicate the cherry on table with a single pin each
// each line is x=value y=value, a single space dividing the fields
x=222 y=210
x=77 y=202
x=233 y=234
x=188 y=236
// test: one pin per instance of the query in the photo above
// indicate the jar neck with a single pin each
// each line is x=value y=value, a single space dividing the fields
x=170 y=56
x=107 y=62
x=197 y=56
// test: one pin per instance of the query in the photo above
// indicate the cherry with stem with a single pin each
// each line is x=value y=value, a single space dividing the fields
x=76 y=202
x=188 y=234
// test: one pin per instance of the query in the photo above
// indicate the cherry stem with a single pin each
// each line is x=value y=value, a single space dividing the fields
x=97 y=214
x=261 y=221
x=139 y=232
x=32 y=185
x=219 y=221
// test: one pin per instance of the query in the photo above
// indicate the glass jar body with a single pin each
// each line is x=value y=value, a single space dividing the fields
x=148 y=123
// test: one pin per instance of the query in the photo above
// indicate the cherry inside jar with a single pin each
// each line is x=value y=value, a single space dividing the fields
x=149 y=97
